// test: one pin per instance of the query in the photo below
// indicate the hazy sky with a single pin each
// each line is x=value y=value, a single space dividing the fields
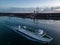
x=29 y=3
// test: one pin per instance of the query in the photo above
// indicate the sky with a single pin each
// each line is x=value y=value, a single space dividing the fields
x=29 y=3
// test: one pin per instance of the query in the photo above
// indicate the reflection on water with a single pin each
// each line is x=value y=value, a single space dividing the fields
x=8 y=37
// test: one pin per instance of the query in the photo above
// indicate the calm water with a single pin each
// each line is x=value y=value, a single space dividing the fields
x=8 y=37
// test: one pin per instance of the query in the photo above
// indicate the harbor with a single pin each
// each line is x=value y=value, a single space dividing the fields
x=51 y=27
x=30 y=22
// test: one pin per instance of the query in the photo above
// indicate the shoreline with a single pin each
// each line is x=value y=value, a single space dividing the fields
x=47 y=16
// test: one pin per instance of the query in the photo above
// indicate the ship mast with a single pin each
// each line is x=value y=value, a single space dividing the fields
x=36 y=11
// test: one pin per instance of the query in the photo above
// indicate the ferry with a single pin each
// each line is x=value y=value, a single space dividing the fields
x=36 y=35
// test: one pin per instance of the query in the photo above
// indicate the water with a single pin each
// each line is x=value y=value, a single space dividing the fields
x=9 y=37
